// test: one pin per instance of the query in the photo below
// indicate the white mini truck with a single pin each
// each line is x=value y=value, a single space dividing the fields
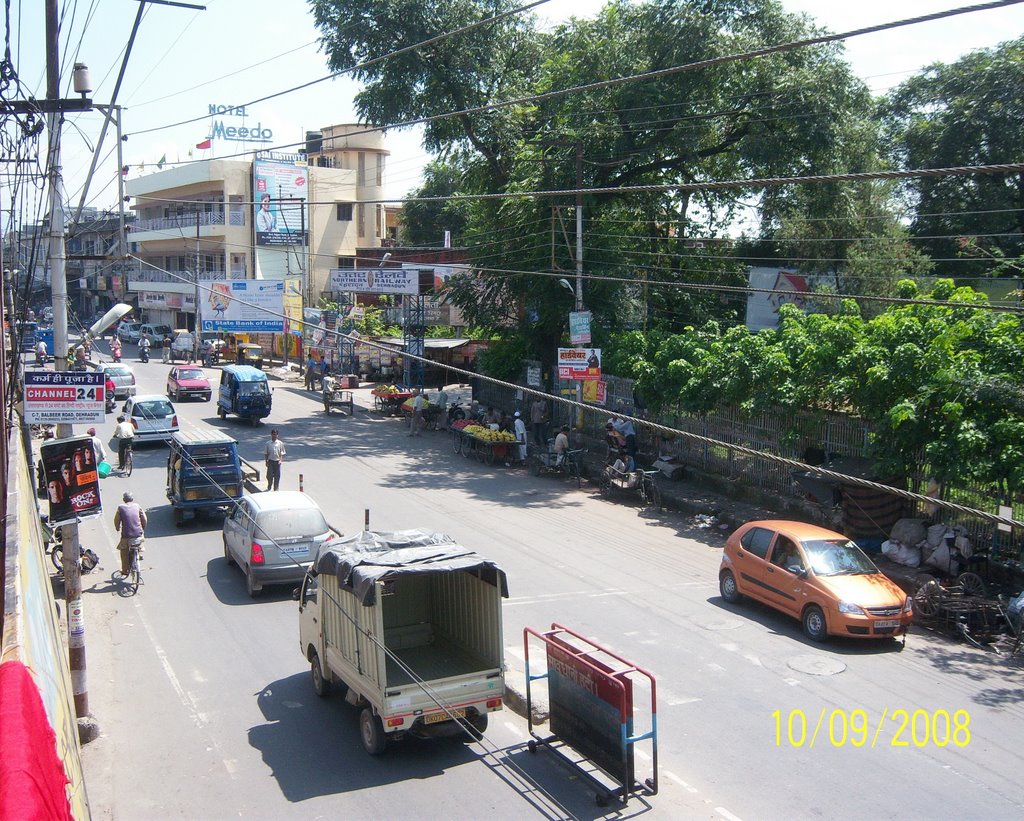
x=410 y=624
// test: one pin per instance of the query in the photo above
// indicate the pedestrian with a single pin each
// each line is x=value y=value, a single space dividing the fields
x=416 y=417
x=273 y=456
x=539 y=421
x=519 y=427
x=124 y=432
x=165 y=349
x=131 y=520
x=41 y=353
x=310 y=373
x=325 y=370
x=97 y=446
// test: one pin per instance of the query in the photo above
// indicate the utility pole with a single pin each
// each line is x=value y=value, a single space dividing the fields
x=87 y=727
x=198 y=324
x=579 y=265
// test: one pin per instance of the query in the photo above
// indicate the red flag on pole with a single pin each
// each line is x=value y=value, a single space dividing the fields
x=205 y=144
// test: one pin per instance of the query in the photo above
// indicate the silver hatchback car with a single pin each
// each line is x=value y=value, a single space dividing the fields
x=273 y=537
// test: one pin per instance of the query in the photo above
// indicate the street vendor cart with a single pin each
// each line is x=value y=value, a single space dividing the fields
x=389 y=398
x=340 y=399
x=487 y=446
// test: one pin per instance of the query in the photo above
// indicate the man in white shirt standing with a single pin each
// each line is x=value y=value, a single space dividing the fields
x=519 y=426
x=273 y=456
x=416 y=417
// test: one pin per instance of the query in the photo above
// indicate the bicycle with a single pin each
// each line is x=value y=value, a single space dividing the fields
x=130 y=583
x=547 y=462
x=129 y=460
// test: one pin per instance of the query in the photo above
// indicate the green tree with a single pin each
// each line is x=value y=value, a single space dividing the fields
x=424 y=223
x=969 y=112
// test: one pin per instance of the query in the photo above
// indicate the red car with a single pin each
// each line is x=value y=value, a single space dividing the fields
x=188 y=381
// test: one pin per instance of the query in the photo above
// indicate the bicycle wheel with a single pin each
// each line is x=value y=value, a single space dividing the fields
x=57 y=556
x=653 y=494
x=572 y=467
x=457 y=441
x=134 y=576
x=129 y=462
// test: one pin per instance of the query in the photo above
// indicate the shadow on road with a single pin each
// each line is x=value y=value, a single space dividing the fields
x=312 y=745
x=227 y=582
x=789 y=628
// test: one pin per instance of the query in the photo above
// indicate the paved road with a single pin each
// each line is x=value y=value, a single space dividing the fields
x=206 y=708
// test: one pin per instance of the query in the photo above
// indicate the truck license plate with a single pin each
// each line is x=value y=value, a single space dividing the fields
x=435 y=718
x=879 y=625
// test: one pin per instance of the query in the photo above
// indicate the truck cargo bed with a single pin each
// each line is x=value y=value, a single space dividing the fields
x=441 y=659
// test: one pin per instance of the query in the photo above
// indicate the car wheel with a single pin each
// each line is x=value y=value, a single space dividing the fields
x=221 y=414
x=227 y=552
x=321 y=686
x=371 y=731
x=177 y=395
x=815 y=627
x=251 y=587
x=727 y=587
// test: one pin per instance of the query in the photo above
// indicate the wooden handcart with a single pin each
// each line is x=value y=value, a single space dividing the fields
x=342 y=400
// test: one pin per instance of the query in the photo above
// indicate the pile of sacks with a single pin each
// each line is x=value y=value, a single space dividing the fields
x=912 y=544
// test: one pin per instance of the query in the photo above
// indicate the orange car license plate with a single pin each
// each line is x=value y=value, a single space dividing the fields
x=435 y=718
x=881 y=625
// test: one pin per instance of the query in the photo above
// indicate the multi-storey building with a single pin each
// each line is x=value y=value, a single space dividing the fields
x=202 y=217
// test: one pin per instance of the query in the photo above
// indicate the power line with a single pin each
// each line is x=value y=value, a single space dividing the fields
x=373 y=61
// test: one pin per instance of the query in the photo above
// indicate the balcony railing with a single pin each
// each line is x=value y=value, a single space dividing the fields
x=182 y=222
x=149 y=275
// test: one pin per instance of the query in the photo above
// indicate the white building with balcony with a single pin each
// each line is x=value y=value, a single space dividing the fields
x=200 y=217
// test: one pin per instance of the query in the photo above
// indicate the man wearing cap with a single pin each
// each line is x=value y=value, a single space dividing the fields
x=97 y=446
x=519 y=427
x=131 y=520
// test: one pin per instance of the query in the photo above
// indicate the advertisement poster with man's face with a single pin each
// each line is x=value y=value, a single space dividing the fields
x=280 y=192
x=72 y=480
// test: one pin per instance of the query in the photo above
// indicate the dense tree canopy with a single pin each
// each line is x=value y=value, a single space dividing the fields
x=970 y=112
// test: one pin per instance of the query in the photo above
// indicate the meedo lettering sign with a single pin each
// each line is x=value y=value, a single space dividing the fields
x=579 y=363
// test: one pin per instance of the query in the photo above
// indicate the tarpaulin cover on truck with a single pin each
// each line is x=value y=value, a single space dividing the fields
x=361 y=560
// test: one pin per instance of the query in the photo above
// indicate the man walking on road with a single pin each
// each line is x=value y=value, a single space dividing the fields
x=273 y=456
x=165 y=349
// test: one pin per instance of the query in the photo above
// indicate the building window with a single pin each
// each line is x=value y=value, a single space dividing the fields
x=379 y=220
x=380 y=170
x=347 y=263
x=361 y=211
x=361 y=179
x=344 y=211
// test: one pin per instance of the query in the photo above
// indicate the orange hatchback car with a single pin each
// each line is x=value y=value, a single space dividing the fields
x=815 y=575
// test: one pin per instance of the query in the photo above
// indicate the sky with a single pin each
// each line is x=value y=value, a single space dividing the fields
x=236 y=51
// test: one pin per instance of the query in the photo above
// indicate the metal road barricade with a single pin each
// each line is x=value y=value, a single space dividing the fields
x=590 y=699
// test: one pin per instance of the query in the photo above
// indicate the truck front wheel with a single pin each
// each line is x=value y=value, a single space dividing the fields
x=321 y=686
x=372 y=732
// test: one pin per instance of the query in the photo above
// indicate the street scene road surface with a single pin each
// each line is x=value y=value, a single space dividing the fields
x=207 y=711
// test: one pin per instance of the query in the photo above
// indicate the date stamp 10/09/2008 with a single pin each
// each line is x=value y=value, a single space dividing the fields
x=856 y=728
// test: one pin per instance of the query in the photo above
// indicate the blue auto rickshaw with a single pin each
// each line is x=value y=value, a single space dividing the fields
x=244 y=391
x=204 y=472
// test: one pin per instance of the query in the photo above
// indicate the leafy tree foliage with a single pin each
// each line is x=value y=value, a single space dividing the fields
x=936 y=382
x=970 y=112
x=424 y=223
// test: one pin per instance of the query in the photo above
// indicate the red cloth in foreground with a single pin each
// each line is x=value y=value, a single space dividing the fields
x=32 y=778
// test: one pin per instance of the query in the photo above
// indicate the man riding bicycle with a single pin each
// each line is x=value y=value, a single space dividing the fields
x=131 y=520
x=124 y=433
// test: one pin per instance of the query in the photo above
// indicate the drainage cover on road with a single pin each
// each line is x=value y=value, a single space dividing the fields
x=816 y=665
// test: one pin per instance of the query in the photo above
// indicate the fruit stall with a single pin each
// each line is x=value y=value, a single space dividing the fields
x=388 y=399
x=475 y=440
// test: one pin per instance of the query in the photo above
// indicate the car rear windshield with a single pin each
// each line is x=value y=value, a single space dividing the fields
x=153 y=409
x=835 y=557
x=291 y=524
x=190 y=373
x=117 y=370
